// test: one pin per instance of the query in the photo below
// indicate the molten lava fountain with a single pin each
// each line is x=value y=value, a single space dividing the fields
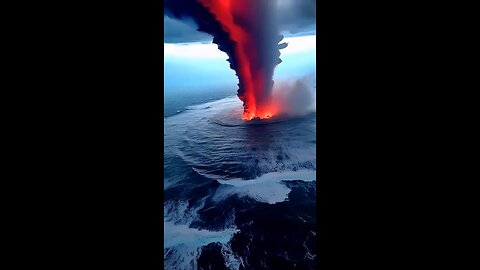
x=246 y=30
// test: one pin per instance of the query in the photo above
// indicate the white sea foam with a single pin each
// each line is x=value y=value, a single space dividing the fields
x=232 y=262
x=267 y=188
x=183 y=244
x=183 y=234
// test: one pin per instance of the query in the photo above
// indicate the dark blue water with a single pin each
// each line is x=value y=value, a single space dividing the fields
x=238 y=195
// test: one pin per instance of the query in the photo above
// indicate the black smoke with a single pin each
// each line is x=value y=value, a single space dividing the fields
x=262 y=26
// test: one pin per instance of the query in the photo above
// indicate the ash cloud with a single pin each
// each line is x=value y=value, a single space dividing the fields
x=249 y=36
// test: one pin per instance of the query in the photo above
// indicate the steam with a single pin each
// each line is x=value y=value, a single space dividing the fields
x=295 y=97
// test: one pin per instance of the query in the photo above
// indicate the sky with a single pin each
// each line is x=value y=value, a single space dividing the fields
x=190 y=66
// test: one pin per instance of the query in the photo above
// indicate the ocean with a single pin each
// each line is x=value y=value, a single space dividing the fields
x=238 y=195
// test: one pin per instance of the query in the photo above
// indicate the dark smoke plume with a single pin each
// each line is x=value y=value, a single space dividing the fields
x=246 y=30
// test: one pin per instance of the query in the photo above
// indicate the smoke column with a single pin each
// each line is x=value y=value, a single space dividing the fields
x=246 y=30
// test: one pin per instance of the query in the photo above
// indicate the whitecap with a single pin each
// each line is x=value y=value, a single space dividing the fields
x=268 y=188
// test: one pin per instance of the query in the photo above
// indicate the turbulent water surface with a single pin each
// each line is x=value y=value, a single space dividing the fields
x=238 y=195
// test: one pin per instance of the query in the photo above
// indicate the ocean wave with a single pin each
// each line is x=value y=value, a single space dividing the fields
x=183 y=243
x=268 y=188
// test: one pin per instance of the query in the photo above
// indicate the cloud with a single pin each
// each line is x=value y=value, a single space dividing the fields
x=182 y=31
x=295 y=17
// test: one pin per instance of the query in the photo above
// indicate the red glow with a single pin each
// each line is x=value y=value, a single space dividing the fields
x=253 y=81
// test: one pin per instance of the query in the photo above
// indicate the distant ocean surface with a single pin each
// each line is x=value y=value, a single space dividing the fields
x=238 y=195
x=176 y=101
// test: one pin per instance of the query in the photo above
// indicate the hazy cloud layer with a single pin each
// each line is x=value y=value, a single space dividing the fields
x=179 y=31
x=295 y=16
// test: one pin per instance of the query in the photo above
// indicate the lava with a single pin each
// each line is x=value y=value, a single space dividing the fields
x=246 y=31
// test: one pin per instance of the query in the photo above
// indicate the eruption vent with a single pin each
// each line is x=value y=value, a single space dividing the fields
x=246 y=30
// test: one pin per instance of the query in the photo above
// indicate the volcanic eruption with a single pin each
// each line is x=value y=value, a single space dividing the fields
x=246 y=30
